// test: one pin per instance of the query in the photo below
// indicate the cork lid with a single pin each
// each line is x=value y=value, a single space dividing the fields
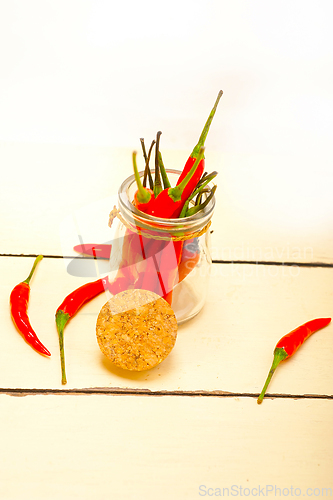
x=136 y=329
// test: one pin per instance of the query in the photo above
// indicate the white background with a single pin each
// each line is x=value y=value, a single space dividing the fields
x=105 y=73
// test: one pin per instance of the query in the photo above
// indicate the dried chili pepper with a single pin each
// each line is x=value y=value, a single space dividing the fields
x=289 y=344
x=194 y=155
x=19 y=299
x=147 y=169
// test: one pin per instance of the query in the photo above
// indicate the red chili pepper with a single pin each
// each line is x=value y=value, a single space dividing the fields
x=19 y=299
x=69 y=307
x=76 y=299
x=169 y=260
x=149 y=275
x=289 y=344
x=170 y=201
x=143 y=198
x=194 y=155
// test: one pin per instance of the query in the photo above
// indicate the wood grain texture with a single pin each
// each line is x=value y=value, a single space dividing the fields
x=227 y=347
x=84 y=447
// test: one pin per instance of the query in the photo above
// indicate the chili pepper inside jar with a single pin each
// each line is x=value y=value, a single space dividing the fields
x=171 y=257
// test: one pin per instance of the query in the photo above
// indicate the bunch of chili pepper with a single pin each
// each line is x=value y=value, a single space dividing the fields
x=160 y=262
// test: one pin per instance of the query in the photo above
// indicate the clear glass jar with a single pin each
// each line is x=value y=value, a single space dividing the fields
x=171 y=257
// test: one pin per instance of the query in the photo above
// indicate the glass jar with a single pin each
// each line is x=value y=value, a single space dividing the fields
x=171 y=257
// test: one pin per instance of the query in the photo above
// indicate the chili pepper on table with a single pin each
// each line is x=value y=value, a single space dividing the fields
x=76 y=299
x=19 y=299
x=289 y=344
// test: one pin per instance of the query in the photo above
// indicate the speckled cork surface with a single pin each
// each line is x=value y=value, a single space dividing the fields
x=136 y=329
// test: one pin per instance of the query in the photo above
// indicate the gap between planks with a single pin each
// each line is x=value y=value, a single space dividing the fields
x=257 y=262
x=117 y=391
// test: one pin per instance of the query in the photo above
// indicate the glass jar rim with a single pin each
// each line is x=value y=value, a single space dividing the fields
x=185 y=225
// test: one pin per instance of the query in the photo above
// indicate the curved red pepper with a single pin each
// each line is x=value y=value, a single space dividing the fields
x=289 y=344
x=19 y=299
x=80 y=296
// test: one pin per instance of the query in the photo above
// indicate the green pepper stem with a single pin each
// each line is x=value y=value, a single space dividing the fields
x=204 y=133
x=166 y=183
x=201 y=184
x=143 y=149
x=27 y=281
x=197 y=208
x=143 y=195
x=279 y=355
x=61 y=321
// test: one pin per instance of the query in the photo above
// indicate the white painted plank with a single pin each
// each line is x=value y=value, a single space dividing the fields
x=131 y=447
x=227 y=347
x=266 y=210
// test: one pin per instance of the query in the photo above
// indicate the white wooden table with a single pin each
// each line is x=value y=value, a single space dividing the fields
x=190 y=427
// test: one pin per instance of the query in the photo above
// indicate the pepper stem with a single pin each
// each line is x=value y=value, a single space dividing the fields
x=33 y=269
x=201 y=206
x=158 y=184
x=204 y=133
x=61 y=321
x=200 y=186
x=166 y=183
x=279 y=355
x=143 y=195
x=147 y=169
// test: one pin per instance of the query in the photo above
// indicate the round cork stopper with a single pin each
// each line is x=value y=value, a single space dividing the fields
x=136 y=329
